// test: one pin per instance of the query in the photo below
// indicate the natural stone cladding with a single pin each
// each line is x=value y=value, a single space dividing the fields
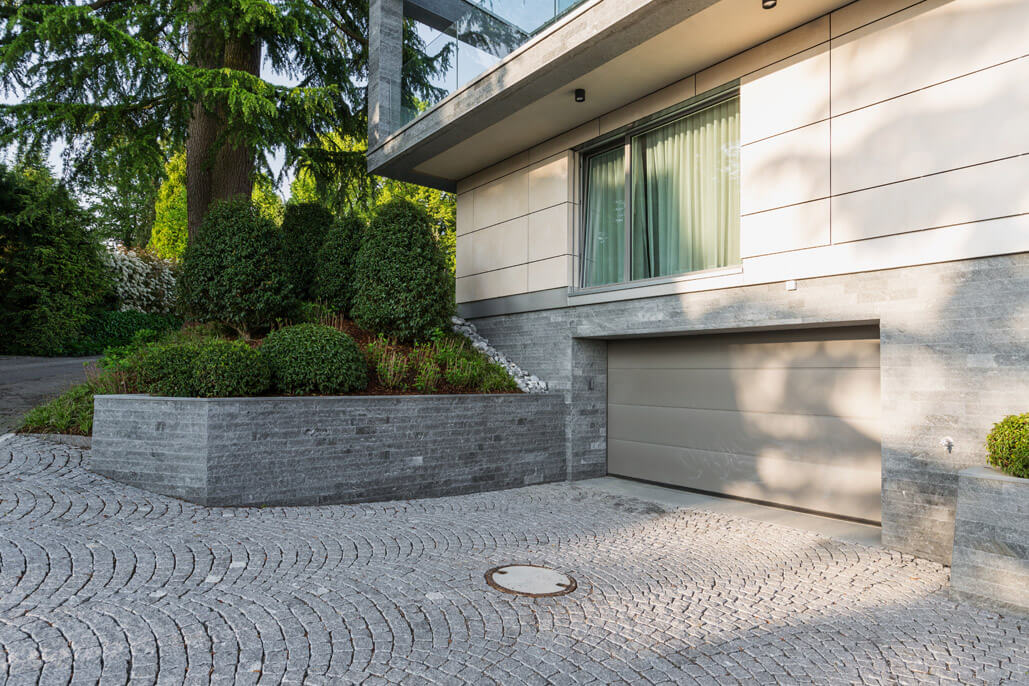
x=954 y=360
x=102 y=583
x=317 y=450
x=991 y=539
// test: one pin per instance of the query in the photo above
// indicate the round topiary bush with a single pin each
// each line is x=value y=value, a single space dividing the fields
x=166 y=369
x=229 y=369
x=233 y=272
x=402 y=285
x=304 y=228
x=1008 y=445
x=334 y=276
x=312 y=358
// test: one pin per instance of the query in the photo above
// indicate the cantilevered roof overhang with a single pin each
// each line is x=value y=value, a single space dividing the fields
x=617 y=50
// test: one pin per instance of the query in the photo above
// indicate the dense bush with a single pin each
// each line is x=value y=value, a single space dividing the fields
x=334 y=276
x=402 y=285
x=233 y=272
x=213 y=368
x=228 y=369
x=51 y=266
x=108 y=328
x=142 y=282
x=166 y=369
x=1008 y=445
x=304 y=227
x=311 y=358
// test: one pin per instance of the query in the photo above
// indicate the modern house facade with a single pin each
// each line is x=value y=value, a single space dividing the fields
x=780 y=254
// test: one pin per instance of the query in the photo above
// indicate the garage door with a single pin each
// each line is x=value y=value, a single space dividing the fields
x=786 y=417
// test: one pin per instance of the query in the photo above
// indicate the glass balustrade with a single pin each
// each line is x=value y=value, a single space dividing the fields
x=486 y=33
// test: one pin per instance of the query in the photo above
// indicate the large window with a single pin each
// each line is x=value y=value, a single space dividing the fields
x=665 y=200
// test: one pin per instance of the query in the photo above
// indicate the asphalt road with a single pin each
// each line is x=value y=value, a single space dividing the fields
x=27 y=381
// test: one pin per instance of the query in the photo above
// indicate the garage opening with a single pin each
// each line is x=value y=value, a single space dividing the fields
x=784 y=417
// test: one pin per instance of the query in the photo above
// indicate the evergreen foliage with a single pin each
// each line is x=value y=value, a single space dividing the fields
x=304 y=227
x=234 y=272
x=1008 y=445
x=334 y=273
x=403 y=287
x=312 y=358
x=51 y=267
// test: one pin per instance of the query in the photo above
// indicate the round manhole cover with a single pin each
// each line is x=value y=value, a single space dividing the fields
x=530 y=580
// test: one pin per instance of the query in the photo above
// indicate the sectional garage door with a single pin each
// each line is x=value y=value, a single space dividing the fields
x=787 y=417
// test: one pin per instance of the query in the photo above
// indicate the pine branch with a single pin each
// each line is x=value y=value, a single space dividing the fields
x=335 y=22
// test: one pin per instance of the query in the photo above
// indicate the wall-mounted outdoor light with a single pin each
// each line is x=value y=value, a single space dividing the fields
x=768 y=4
x=580 y=95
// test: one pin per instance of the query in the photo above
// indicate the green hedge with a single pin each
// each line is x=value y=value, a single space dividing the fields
x=1008 y=445
x=51 y=269
x=206 y=369
x=402 y=285
x=304 y=228
x=111 y=329
x=334 y=277
x=234 y=272
x=312 y=358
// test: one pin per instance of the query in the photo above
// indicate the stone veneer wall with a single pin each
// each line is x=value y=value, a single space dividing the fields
x=954 y=360
x=319 y=450
x=991 y=539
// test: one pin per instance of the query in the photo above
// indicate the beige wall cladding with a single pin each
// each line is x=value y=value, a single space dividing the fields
x=495 y=284
x=786 y=169
x=925 y=44
x=500 y=200
x=758 y=57
x=550 y=182
x=787 y=95
x=496 y=247
x=502 y=168
x=965 y=195
x=465 y=214
x=550 y=232
x=551 y=273
x=790 y=228
x=973 y=119
x=857 y=14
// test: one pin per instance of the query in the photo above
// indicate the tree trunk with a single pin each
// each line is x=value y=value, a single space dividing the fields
x=216 y=170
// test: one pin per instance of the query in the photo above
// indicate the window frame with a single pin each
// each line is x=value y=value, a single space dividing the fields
x=622 y=137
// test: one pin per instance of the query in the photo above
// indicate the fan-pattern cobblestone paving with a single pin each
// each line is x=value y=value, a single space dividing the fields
x=101 y=582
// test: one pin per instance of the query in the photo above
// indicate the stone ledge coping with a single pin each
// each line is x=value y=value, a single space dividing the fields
x=988 y=472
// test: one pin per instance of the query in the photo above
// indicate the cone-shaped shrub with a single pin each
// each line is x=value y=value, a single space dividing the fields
x=334 y=275
x=304 y=228
x=403 y=287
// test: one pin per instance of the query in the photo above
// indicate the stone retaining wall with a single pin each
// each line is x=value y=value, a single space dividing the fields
x=991 y=539
x=320 y=450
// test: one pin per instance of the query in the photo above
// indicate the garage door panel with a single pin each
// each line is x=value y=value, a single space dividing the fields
x=811 y=391
x=789 y=416
x=857 y=347
x=851 y=491
x=828 y=440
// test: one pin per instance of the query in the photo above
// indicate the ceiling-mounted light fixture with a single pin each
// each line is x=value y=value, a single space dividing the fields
x=768 y=4
x=580 y=95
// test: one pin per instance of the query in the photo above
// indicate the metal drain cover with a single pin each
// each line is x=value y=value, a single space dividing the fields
x=530 y=580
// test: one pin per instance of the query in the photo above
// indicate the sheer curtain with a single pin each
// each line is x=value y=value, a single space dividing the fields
x=685 y=194
x=603 y=258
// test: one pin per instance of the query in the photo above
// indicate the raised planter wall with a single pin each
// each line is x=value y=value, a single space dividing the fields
x=990 y=564
x=320 y=450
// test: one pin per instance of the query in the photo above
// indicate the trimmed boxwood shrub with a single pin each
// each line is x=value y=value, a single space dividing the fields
x=207 y=369
x=304 y=228
x=229 y=369
x=233 y=272
x=402 y=285
x=167 y=369
x=312 y=358
x=334 y=277
x=1008 y=445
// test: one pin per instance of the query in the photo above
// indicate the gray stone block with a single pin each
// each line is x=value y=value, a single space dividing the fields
x=991 y=540
x=321 y=450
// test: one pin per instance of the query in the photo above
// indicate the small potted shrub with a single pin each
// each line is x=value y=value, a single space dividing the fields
x=991 y=530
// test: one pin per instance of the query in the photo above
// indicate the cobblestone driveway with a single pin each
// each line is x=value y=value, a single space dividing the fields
x=100 y=581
